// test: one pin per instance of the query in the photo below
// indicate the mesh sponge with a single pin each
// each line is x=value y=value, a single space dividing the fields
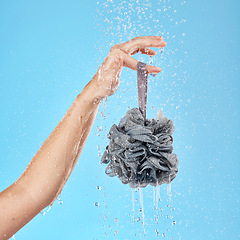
x=140 y=150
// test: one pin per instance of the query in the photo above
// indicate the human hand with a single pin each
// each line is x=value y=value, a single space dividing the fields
x=106 y=80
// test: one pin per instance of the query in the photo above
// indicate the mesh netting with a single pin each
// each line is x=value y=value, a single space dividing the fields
x=140 y=151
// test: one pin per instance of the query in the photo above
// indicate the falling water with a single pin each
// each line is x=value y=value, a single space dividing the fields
x=154 y=203
x=133 y=202
x=141 y=204
x=151 y=60
x=121 y=21
x=169 y=190
x=158 y=198
x=104 y=105
x=150 y=63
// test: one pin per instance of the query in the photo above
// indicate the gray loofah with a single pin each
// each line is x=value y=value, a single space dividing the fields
x=140 y=151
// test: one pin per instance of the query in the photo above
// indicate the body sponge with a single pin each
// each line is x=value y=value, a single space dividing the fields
x=140 y=150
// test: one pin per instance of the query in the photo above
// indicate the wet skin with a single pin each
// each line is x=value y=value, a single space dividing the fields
x=44 y=178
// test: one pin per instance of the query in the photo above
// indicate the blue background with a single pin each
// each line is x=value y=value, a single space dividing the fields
x=49 y=50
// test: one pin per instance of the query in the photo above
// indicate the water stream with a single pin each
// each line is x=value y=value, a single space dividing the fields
x=142 y=207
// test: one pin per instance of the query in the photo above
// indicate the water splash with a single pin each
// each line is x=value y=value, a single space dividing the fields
x=44 y=212
x=104 y=105
x=121 y=21
x=99 y=129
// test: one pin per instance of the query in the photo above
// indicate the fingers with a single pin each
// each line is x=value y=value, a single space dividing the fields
x=143 y=50
x=130 y=62
x=141 y=44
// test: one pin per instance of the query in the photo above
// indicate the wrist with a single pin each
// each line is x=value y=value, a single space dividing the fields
x=91 y=93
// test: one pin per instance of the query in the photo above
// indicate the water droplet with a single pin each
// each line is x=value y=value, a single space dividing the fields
x=152 y=74
x=138 y=219
x=173 y=222
x=44 y=211
x=140 y=209
x=151 y=60
x=98 y=187
x=164 y=235
x=96 y=204
x=157 y=232
x=59 y=200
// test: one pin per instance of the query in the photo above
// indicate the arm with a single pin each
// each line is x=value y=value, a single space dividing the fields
x=45 y=176
x=43 y=180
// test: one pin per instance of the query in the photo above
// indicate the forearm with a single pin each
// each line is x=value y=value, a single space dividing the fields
x=48 y=171
x=57 y=157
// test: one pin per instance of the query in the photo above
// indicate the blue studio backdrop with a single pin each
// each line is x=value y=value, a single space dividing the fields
x=49 y=50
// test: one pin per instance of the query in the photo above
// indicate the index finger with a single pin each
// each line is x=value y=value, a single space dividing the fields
x=137 y=43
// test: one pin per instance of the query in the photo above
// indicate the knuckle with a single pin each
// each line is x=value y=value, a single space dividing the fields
x=136 y=38
x=115 y=51
x=117 y=46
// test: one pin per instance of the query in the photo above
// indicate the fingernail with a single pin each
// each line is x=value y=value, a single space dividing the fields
x=153 y=53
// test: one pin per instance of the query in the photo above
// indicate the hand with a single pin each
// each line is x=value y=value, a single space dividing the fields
x=106 y=80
